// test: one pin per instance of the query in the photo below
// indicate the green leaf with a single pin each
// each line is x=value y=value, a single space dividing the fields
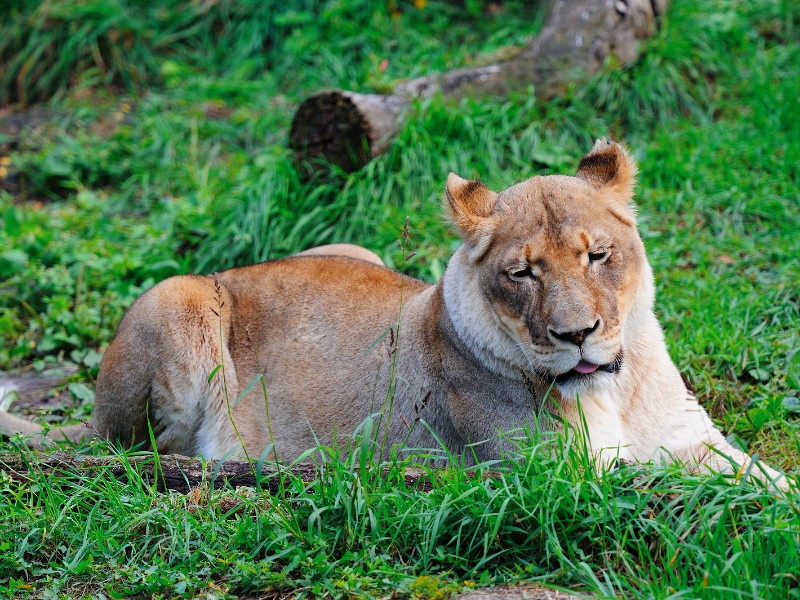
x=82 y=392
x=629 y=502
x=163 y=268
x=246 y=390
x=13 y=261
x=793 y=371
x=48 y=343
x=759 y=417
x=11 y=222
x=214 y=372
x=759 y=374
x=791 y=404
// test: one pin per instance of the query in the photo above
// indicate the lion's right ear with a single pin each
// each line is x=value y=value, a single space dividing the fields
x=469 y=205
x=610 y=168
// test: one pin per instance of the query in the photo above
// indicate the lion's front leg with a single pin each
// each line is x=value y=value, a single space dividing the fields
x=721 y=457
x=697 y=443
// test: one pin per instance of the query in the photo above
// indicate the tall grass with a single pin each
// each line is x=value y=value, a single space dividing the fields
x=541 y=513
x=46 y=46
x=49 y=46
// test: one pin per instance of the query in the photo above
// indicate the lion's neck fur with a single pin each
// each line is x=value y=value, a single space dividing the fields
x=477 y=329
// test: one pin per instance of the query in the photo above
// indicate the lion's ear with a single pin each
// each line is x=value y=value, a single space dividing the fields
x=469 y=204
x=609 y=167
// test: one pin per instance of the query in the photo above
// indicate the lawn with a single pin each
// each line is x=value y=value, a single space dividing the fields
x=170 y=156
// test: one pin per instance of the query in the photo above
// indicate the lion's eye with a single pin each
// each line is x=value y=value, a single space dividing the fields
x=521 y=274
x=598 y=256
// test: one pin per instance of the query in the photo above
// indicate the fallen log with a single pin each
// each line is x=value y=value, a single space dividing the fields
x=30 y=390
x=174 y=472
x=348 y=129
x=524 y=591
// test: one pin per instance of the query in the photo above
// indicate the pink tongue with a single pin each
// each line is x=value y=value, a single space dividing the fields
x=586 y=367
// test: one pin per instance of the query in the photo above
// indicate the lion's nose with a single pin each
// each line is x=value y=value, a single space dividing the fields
x=574 y=337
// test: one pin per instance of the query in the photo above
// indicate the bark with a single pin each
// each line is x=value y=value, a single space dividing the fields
x=347 y=129
x=173 y=472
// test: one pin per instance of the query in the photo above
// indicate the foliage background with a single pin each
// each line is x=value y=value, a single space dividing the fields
x=156 y=145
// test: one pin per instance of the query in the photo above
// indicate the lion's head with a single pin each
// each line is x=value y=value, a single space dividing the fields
x=550 y=271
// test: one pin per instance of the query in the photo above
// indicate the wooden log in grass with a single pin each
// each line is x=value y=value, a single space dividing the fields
x=174 y=472
x=348 y=129
x=345 y=128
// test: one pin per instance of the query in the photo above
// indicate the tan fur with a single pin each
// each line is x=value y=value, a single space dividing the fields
x=343 y=250
x=552 y=275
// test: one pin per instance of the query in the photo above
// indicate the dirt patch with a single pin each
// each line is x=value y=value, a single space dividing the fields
x=14 y=126
x=27 y=130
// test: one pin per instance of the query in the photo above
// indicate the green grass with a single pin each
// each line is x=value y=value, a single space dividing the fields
x=187 y=170
x=542 y=514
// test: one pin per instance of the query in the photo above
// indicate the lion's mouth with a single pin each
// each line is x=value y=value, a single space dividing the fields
x=586 y=369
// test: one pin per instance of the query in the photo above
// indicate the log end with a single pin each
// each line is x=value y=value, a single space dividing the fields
x=344 y=129
x=329 y=127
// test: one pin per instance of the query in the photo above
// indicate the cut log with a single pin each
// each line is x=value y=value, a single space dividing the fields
x=173 y=472
x=352 y=127
x=347 y=129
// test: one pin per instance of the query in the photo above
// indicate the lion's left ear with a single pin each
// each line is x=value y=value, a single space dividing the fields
x=610 y=168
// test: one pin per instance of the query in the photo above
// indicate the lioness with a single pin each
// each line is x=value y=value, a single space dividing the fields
x=547 y=306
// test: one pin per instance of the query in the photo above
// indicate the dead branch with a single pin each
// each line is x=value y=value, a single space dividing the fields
x=174 y=472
